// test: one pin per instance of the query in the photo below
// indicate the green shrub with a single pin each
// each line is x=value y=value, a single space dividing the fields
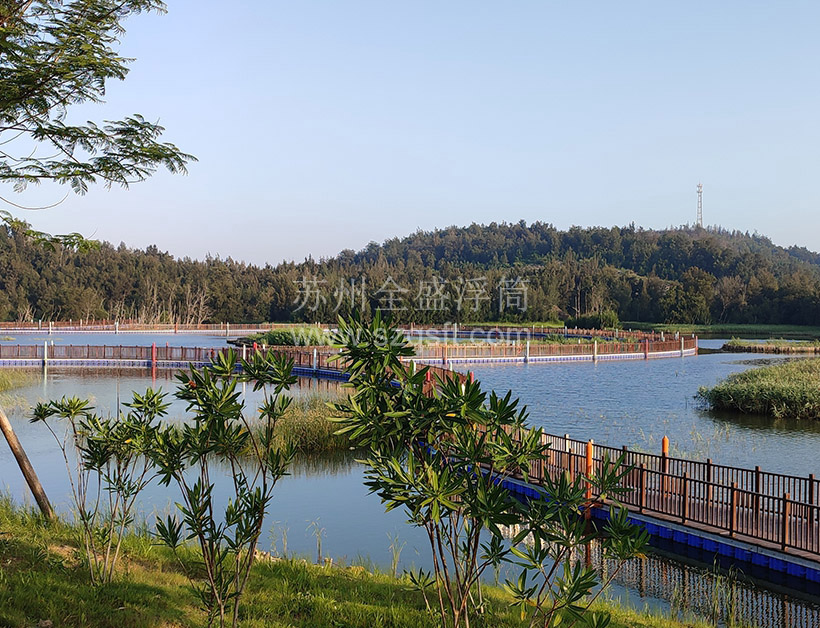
x=607 y=319
x=785 y=390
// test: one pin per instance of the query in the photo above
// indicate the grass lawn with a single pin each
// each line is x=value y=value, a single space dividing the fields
x=42 y=578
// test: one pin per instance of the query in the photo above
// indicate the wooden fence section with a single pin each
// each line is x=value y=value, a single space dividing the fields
x=779 y=510
x=462 y=352
x=526 y=331
x=124 y=326
x=132 y=326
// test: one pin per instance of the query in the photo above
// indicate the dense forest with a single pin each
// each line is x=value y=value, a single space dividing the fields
x=476 y=273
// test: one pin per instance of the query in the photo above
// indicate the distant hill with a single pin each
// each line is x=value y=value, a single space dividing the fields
x=476 y=273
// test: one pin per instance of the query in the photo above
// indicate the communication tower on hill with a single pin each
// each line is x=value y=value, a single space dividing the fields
x=700 y=205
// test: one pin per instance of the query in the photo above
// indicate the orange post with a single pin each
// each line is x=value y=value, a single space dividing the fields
x=665 y=447
x=589 y=468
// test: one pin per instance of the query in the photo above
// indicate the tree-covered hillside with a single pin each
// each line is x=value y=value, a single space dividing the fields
x=475 y=273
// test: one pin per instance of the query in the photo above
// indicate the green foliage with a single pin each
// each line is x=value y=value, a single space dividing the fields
x=788 y=390
x=607 y=319
x=635 y=273
x=111 y=467
x=442 y=458
x=57 y=54
x=219 y=432
x=291 y=336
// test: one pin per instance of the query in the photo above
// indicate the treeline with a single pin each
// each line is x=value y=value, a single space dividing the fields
x=512 y=272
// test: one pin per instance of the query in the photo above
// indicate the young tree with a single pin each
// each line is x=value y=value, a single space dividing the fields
x=442 y=454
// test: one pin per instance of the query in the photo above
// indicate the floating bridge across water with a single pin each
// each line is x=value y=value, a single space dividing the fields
x=764 y=519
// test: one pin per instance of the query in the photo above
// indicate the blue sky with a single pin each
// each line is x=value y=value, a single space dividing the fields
x=321 y=126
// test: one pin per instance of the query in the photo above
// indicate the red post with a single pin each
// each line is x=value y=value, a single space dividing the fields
x=153 y=355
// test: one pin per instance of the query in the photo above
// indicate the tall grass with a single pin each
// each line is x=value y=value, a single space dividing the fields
x=12 y=378
x=789 y=390
x=307 y=427
x=774 y=345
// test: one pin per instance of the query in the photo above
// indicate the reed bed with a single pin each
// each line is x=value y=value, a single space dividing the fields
x=789 y=390
x=775 y=345
x=13 y=378
x=306 y=425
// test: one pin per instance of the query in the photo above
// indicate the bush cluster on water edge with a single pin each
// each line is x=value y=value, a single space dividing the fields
x=289 y=336
x=306 y=427
x=42 y=579
x=788 y=390
x=774 y=345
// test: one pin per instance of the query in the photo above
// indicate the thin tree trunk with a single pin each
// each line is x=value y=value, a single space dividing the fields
x=25 y=466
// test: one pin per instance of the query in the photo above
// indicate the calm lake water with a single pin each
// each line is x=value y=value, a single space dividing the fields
x=632 y=403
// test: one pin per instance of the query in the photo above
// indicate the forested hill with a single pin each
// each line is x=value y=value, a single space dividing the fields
x=475 y=273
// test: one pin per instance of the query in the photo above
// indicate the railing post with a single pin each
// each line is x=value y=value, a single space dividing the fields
x=567 y=450
x=153 y=355
x=589 y=464
x=709 y=478
x=733 y=511
x=45 y=354
x=756 y=498
x=527 y=354
x=784 y=530
x=595 y=350
x=812 y=511
x=315 y=359
x=665 y=463
x=684 y=494
x=642 y=483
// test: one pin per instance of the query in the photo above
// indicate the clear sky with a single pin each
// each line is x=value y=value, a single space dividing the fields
x=326 y=125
